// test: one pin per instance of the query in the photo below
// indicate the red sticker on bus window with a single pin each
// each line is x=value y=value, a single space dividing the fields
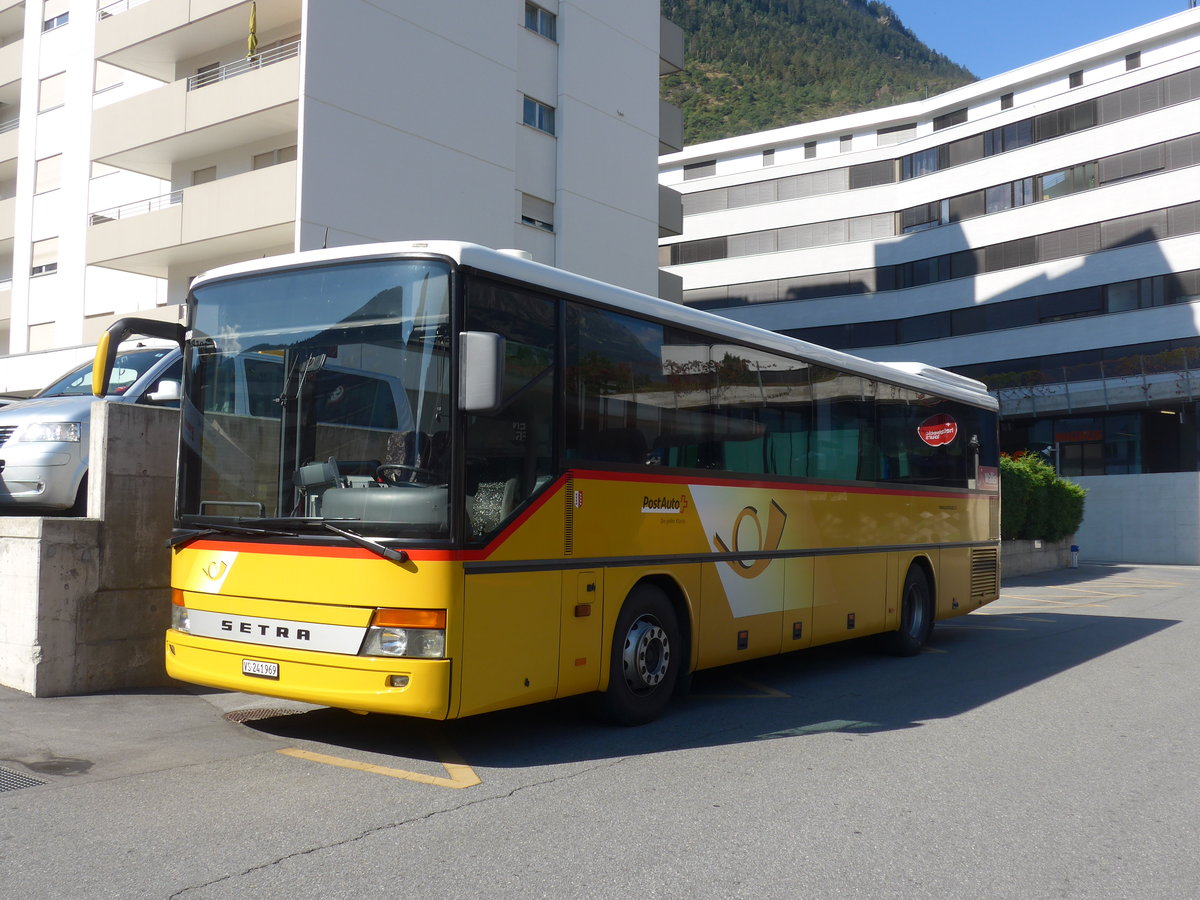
x=938 y=430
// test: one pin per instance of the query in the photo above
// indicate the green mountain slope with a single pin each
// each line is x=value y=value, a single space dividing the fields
x=757 y=64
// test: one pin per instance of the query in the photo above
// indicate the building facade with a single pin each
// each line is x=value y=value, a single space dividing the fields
x=145 y=141
x=1038 y=230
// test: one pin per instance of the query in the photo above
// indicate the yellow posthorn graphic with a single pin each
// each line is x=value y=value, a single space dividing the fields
x=775 y=522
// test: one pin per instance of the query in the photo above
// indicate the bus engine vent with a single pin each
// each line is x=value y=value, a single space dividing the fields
x=985 y=573
x=569 y=520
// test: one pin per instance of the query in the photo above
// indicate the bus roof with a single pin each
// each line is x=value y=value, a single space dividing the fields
x=513 y=264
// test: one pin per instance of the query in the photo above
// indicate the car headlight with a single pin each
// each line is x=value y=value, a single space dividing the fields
x=56 y=432
x=411 y=633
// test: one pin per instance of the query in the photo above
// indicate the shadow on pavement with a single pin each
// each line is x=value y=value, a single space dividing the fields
x=845 y=687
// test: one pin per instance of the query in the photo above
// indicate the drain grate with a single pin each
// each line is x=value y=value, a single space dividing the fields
x=255 y=714
x=14 y=781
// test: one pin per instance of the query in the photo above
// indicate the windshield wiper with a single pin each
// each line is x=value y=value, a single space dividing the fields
x=184 y=537
x=396 y=556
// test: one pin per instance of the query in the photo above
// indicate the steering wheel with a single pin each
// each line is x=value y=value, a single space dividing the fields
x=389 y=471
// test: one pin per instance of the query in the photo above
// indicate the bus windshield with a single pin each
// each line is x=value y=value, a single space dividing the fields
x=321 y=395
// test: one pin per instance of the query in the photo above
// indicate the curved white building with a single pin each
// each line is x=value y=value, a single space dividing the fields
x=1039 y=230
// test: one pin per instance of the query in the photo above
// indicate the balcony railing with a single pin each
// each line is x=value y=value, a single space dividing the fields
x=115 y=9
x=10 y=125
x=1135 y=380
x=141 y=207
x=250 y=64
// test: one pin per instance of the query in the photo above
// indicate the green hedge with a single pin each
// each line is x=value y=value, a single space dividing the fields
x=1035 y=504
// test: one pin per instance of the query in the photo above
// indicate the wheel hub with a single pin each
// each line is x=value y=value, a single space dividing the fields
x=646 y=656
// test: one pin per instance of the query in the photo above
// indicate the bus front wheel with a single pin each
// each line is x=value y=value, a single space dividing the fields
x=916 y=616
x=646 y=658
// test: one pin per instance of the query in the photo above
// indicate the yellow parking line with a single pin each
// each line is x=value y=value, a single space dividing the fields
x=461 y=775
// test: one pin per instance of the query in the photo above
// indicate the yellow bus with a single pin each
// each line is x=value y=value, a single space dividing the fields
x=436 y=480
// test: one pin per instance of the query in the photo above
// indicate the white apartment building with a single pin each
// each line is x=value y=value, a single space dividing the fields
x=145 y=141
x=1039 y=230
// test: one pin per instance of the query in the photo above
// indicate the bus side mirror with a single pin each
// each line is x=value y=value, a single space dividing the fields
x=480 y=371
x=106 y=349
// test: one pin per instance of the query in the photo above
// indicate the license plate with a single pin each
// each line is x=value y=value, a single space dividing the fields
x=260 y=669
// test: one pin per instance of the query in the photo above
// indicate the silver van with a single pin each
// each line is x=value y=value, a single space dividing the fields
x=44 y=440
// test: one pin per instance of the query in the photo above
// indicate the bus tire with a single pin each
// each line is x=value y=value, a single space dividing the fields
x=916 y=616
x=647 y=655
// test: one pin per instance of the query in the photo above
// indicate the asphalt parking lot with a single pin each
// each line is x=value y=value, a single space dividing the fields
x=1042 y=747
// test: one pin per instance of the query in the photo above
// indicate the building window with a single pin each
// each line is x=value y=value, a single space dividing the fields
x=1006 y=101
x=48 y=174
x=1075 y=79
x=52 y=92
x=45 y=257
x=541 y=21
x=1133 y=60
x=274 y=157
x=768 y=157
x=538 y=115
x=846 y=143
x=700 y=169
x=56 y=22
x=537 y=213
x=951 y=118
x=895 y=134
x=810 y=149
x=204 y=176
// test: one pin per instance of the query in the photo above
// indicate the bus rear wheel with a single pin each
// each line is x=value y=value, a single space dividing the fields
x=916 y=616
x=646 y=658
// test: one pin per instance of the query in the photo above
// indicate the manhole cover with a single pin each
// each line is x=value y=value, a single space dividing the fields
x=14 y=781
x=257 y=713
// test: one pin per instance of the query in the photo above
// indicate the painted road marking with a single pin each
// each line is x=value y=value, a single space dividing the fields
x=461 y=775
x=757 y=691
x=818 y=728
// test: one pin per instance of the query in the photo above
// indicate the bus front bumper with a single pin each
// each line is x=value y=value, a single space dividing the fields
x=359 y=683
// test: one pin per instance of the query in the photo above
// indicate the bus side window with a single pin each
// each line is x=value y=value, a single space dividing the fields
x=509 y=455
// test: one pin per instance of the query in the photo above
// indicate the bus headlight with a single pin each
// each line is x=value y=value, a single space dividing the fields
x=419 y=633
x=179 y=612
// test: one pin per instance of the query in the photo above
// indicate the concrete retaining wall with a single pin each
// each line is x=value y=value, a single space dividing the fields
x=1029 y=557
x=84 y=602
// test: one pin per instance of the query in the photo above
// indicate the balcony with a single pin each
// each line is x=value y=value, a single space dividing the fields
x=240 y=217
x=151 y=36
x=8 y=218
x=670 y=128
x=10 y=72
x=241 y=103
x=1141 y=380
x=9 y=133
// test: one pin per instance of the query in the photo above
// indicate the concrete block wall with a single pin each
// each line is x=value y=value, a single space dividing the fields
x=1141 y=518
x=84 y=602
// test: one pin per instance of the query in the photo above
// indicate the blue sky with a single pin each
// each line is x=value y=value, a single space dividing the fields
x=994 y=36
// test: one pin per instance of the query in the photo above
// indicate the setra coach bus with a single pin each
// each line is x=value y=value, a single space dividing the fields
x=433 y=479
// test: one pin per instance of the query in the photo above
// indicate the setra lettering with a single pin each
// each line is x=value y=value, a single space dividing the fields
x=279 y=632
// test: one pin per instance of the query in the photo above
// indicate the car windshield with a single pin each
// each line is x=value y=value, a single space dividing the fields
x=321 y=394
x=127 y=369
